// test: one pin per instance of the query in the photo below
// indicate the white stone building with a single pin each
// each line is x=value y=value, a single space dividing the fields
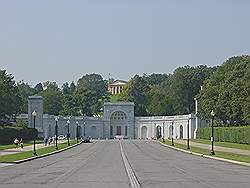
x=116 y=87
x=118 y=119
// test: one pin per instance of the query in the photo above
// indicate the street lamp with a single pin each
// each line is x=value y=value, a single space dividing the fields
x=188 y=146
x=212 y=138
x=68 y=134
x=34 y=114
x=172 y=128
x=163 y=130
x=77 y=131
x=56 y=131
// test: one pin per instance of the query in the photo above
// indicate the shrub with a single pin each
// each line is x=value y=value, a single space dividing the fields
x=227 y=134
x=9 y=133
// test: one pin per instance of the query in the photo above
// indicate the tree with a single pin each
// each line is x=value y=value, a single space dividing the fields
x=52 y=99
x=65 y=88
x=227 y=92
x=24 y=91
x=184 y=84
x=8 y=97
x=93 y=89
x=136 y=91
x=39 y=87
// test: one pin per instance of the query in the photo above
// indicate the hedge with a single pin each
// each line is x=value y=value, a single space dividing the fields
x=9 y=133
x=227 y=134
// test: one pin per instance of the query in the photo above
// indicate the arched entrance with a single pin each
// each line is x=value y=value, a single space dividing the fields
x=144 y=132
x=158 y=132
x=93 y=132
x=118 y=124
x=181 y=132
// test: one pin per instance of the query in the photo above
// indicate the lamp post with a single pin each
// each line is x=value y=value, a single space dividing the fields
x=172 y=128
x=212 y=138
x=188 y=145
x=163 y=130
x=77 y=131
x=68 y=134
x=34 y=114
x=56 y=131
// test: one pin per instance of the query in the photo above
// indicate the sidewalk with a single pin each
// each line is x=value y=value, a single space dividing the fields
x=216 y=148
x=27 y=148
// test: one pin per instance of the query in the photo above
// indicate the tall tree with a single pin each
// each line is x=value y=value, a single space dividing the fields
x=8 y=97
x=39 y=87
x=227 y=92
x=52 y=99
x=24 y=91
x=93 y=88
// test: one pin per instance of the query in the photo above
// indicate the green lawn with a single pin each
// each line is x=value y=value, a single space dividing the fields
x=28 y=154
x=10 y=146
x=224 y=144
x=225 y=155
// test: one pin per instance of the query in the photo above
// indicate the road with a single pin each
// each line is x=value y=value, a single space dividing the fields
x=101 y=164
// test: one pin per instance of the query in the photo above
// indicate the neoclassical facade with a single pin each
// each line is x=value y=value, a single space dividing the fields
x=118 y=119
x=116 y=87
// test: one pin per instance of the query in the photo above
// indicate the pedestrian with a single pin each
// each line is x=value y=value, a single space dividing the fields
x=21 y=143
x=16 y=141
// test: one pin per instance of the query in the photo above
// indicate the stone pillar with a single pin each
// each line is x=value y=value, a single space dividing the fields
x=36 y=103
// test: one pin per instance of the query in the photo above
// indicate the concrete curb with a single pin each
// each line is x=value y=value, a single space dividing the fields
x=45 y=155
x=206 y=156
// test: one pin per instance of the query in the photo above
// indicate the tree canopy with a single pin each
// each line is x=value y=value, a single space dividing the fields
x=225 y=90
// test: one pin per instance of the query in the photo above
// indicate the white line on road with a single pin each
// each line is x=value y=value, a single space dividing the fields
x=131 y=175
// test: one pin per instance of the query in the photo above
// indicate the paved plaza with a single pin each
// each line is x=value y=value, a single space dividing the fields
x=111 y=163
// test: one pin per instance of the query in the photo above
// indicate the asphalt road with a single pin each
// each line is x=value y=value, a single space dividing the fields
x=101 y=164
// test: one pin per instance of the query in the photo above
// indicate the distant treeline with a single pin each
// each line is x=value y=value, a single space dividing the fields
x=225 y=89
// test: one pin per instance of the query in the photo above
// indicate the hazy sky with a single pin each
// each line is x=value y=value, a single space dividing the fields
x=63 y=40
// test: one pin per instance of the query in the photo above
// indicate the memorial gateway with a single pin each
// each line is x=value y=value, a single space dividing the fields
x=118 y=119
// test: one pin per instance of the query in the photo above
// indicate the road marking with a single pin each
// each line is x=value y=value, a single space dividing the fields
x=5 y=164
x=131 y=175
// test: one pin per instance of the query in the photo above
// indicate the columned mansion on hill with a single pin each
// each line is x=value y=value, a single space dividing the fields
x=116 y=86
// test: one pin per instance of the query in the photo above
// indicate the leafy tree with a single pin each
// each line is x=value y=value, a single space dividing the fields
x=160 y=103
x=93 y=90
x=65 y=88
x=227 y=92
x=72 y=88
x=39 y=87
x=52 y=99
x=24 y=91
x=8 y=97
x=136 y=91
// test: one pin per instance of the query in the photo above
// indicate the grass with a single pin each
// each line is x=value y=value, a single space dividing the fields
x=225 y=155
x=11 y=146
x=27 y=154
x=224 y=144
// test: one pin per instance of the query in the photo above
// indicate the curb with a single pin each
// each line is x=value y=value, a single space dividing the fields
x=45 y=155
x=206 y=156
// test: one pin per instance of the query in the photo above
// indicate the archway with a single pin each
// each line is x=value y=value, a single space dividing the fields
x=158 y=132
x=181 y=132
x=144 y=132
x=118 y=124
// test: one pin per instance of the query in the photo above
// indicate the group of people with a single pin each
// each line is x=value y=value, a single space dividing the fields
x=48 y=141
x=18 y=143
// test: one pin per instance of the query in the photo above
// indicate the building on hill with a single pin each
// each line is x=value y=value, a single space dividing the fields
x=116 y=87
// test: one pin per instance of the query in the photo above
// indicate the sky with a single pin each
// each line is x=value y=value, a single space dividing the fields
x=63 y=40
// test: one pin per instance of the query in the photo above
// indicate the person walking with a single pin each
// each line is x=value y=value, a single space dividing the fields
x=21 y=143
x=16 y=141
